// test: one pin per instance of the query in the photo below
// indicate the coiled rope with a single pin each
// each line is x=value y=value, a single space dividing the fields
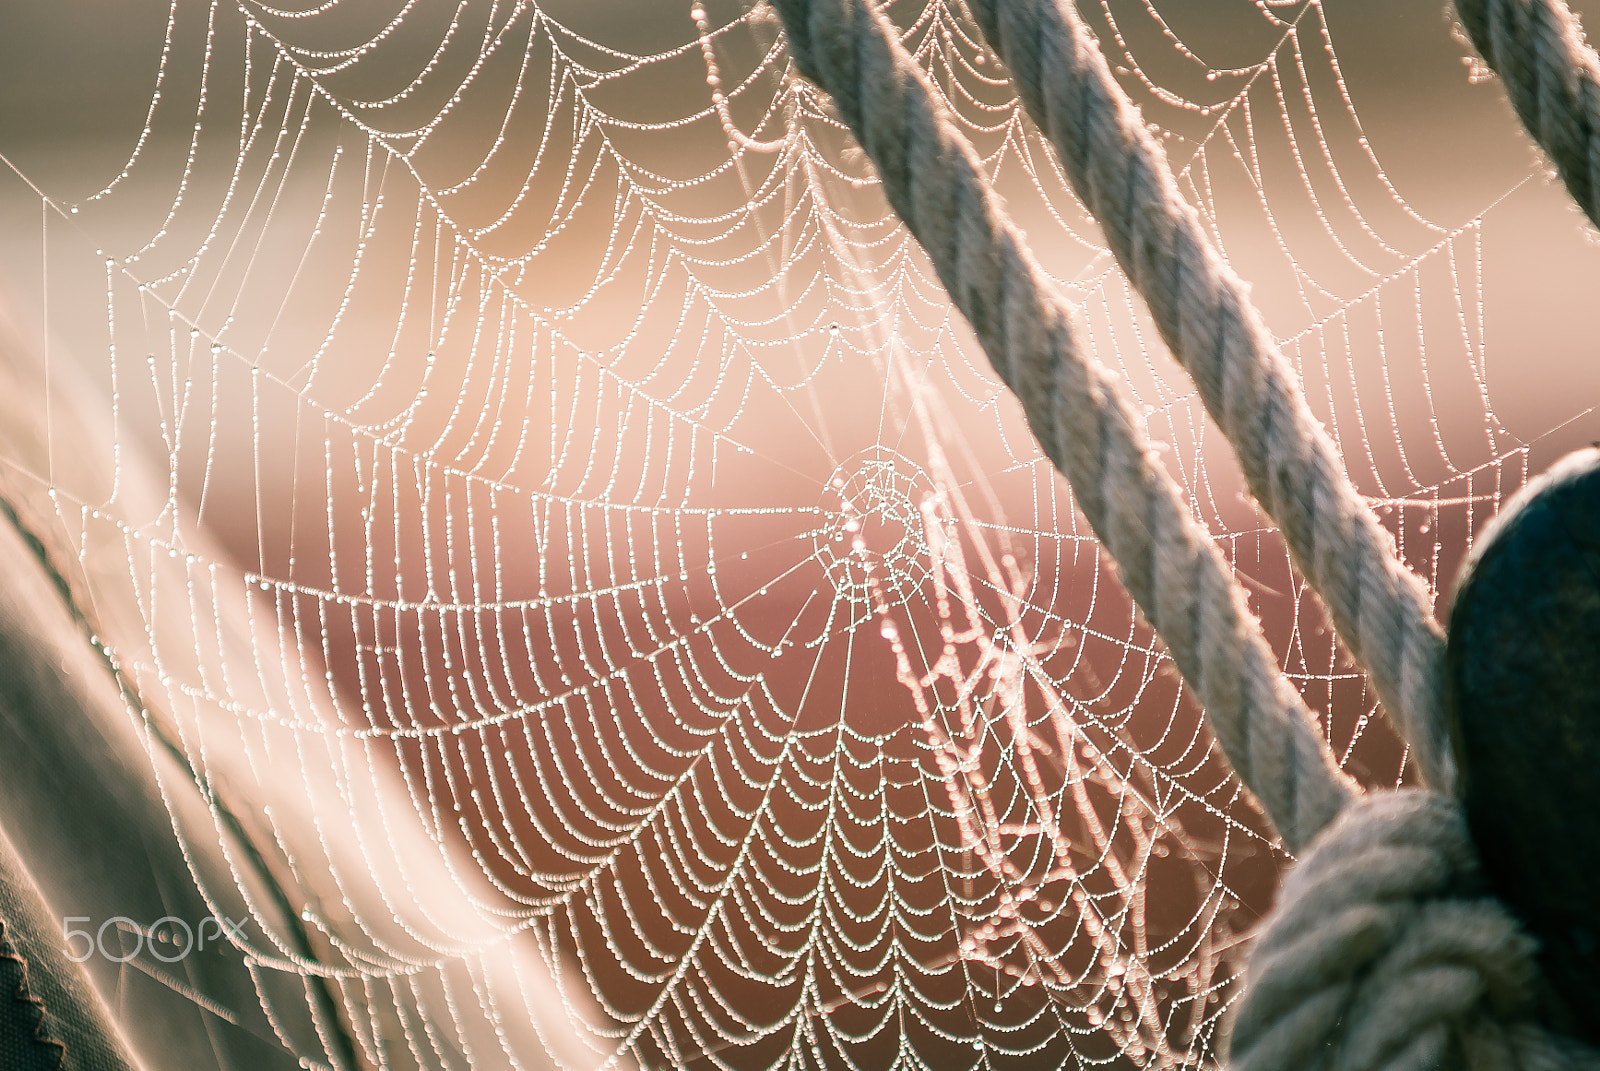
x=1385 y=951
x=1553 y=79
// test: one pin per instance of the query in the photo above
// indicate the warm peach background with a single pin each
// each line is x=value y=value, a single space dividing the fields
x=1395 y=377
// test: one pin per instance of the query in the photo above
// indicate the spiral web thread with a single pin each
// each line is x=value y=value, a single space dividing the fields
x=543 y=480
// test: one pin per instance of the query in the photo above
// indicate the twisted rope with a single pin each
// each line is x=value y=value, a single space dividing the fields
x=1167 y=561
x=1381 y=610
x=1553 y=79
x=1387 y=951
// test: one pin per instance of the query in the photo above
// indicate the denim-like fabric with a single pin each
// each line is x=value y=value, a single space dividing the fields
x=26 y=1043
x=51 y=1019
x=90 y=836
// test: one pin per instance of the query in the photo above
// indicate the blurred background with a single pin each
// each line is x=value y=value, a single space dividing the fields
x=579 y=589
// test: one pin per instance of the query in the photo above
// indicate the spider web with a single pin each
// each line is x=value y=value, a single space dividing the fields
x=532 y=468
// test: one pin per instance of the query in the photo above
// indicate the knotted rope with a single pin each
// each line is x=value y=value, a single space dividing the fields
x=1553 y=79
x=1389 y=952
x=1166 y=559
x=1385 y=952
x=1380 y=609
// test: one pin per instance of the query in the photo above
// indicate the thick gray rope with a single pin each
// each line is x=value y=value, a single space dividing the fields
x=1553 y=79
x=1381 y=610
x=1166 y=560
x=1388 y=951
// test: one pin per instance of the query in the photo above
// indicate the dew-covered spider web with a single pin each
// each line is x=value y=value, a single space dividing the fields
x=515 y=457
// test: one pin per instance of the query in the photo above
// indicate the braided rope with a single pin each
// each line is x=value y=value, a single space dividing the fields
x=1166 y=559
x=1553 y=79
x=1381 y=610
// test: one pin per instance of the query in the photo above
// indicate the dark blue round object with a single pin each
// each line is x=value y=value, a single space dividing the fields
x=1523 y=692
